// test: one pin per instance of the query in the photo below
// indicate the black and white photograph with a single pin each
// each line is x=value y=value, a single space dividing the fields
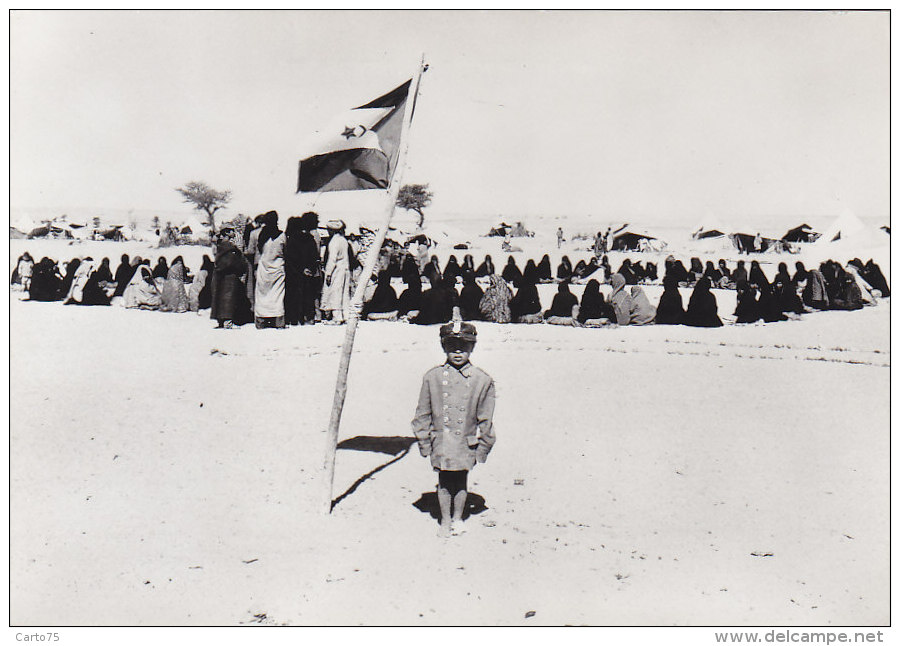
x=441 y=318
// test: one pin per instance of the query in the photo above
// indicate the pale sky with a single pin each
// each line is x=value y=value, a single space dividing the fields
x=662 y=117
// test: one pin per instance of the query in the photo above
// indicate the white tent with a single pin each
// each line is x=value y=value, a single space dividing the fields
x=849 y=237
x=848 y=226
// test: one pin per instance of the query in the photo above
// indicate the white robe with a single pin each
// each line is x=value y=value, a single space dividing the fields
x=268 y=301
x=82 y=275
x=336 y=291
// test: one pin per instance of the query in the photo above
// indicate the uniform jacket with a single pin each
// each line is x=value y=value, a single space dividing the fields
x=453 y=421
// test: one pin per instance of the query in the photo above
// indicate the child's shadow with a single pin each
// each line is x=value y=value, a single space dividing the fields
x=428 y=504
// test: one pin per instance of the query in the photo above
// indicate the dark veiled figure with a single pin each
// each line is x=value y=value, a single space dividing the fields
x=468 y=265
x=526 y=301
x=204 y=298
x=433 y=272
x=103 y=272
x=723 y=269
x=801 y=273
x=93 y=293
x=563 y=302
x=712 y=273
x=650 y=273
x=530 y=273
x=696 y=269
x=670 y=310
x=230 y=304
x=593 y=305
x=511 y=272
x=124 y=274
x=302 y=270
x=409 y=268
x=786 y=294
x=452 y=269
x=758 y=276
x=564 y=270
x=740 y=273
x=875 y=278
x=437 y=304
x=849 y=296
x=46 y=282
x=411 y=298
x=769 y=306
x=162 y=268
x=702 y=309
x=545 y=271
x=638 y=270
x=747 y=309
x=470 y=298
x=486 y=268
x=627 y=272
x=384 y=298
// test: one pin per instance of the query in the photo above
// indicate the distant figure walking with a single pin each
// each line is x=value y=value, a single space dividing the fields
x=559 y=237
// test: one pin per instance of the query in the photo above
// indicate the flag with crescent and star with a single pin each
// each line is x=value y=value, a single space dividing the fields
x=358 y=150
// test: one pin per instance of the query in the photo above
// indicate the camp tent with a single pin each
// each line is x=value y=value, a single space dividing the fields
x=630 y=239
x=708 y=228
x=802 y=233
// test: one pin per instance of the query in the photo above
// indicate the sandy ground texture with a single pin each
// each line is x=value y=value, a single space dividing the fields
x=167 y=473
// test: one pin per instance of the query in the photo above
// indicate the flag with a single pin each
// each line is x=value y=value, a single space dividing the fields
x=359 y=149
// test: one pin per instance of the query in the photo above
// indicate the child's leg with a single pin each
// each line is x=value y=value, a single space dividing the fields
x=454 y=485
x=444 y=500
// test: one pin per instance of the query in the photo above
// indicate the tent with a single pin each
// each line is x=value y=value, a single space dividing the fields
x=847 y=226
x=803 y=233
x=708 y=228
x=499 y=231
x=15 y=234
x=628 y=239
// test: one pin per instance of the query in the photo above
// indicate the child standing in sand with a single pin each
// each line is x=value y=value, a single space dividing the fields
x=454 y=421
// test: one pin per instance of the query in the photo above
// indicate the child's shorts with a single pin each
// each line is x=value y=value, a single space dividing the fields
x=453 y=481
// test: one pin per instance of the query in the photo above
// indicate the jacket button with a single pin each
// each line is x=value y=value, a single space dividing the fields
x=444 y=382
x=446 y=394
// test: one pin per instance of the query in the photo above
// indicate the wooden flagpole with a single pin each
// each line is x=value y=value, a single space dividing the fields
x=340 y=389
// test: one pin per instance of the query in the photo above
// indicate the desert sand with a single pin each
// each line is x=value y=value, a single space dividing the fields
x=167 y=473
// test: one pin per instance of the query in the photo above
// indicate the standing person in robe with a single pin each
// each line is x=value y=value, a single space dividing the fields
x=642 y=313
x=293 y=272
x=410 y=301
x=230 y=305
x=561 y=307
x=564 y=270
x=486 y=268
x=174 y=296
x=23 y=272
x=46 y=282
x=511 y=272
x=702 y=309
x=383 y=304
x=336 y=293
x=747 y=308
x=141 y=291
x=200 y=293
x=525 y=306
x=310 y=264
x=670 y=310
x=124 y=272
x=268 y=300
x=594 y=311
x=251 y=254
x=494 y=305
x=545 y=271
x=470 y=298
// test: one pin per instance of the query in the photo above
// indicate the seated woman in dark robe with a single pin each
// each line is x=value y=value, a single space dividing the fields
x=470 y=298
x=594 y=309
x=747 y=310
x=124 y=273
x=638 y=270
x=93 y=293
x=782 y=274
x=383 y=304
x=545 y=271
x=848 y=296
x=511 y=272
x=468 y=266
x=723 y=269
x=563 y=302
x=486 y=268
x=696 y=270
x=104 y=273
x=627 y=272
x=702 y=309
x=876 y=279
x=46 y=282
x=452 y=269
x=670 y=310
x=437 y=304
x=650 y=272
x=530 y=273
x=786 y=294
x=433 y=271
x=740 y=273
x=162 y=268
x=769 y=307
x=800 y=274
x=409 y=267
x=410 y=301
x=564 y=270
x=525 y=306
x=712 y=273
x=757 y=276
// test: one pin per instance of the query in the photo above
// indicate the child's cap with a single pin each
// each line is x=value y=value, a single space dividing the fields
x=459 y=330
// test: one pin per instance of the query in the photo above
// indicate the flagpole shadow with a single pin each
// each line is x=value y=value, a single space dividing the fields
x=397 y=446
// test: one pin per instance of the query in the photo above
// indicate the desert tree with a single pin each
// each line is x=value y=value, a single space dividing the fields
x=415 y=197
x=206 y=199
